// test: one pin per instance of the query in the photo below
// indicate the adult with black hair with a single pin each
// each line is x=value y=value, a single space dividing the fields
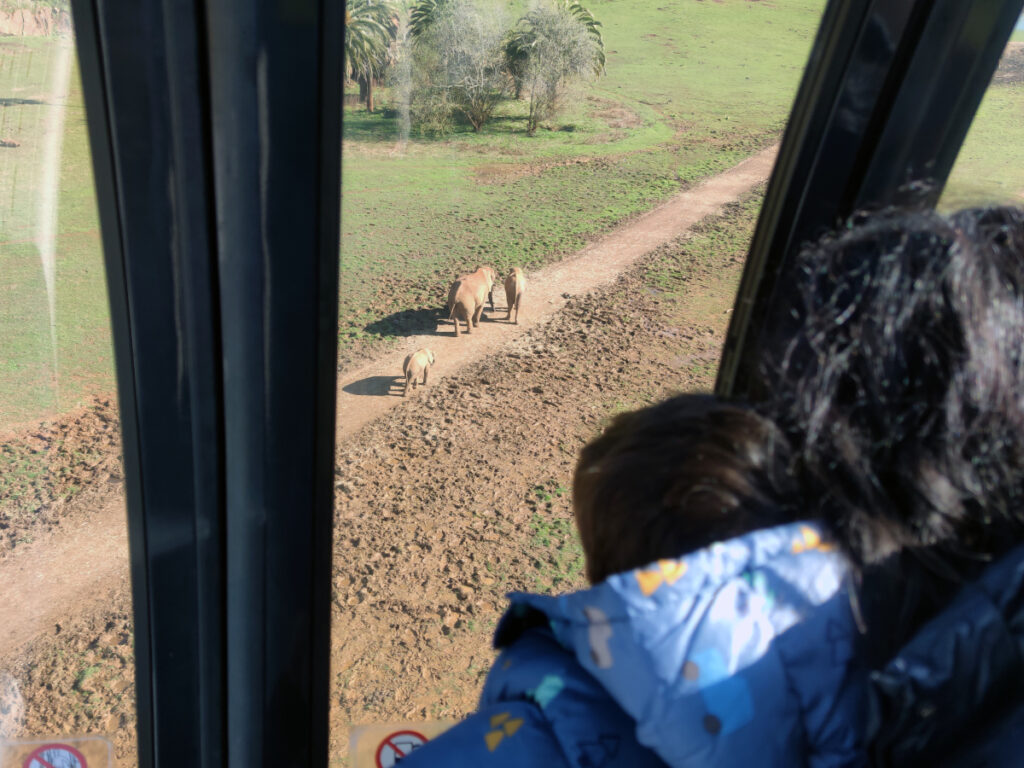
x=900 y=383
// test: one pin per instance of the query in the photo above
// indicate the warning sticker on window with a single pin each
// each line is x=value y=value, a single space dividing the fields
x=384 y=746
x=57 y=752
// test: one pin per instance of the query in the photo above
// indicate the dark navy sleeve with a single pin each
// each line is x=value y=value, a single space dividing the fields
x=513 y=733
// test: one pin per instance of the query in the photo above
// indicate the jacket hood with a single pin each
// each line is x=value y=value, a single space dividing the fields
x=743 y=653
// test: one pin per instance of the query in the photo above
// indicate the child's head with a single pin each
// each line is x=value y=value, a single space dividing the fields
x=666 y=480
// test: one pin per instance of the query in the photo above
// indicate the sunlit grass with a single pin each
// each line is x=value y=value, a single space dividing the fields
x=990 y=166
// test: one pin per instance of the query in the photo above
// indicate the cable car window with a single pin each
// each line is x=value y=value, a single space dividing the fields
x=990 y=166
x=616 y=155
x=66 y=644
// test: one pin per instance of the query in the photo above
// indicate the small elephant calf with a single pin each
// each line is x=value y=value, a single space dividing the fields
x=515 y=286
x=415 y=364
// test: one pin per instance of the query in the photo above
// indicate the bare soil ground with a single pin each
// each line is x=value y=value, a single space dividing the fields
x=445 y=500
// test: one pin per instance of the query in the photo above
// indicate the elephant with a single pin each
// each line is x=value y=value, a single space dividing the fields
x=416 y=363
x=468 y=295
x=515 y=285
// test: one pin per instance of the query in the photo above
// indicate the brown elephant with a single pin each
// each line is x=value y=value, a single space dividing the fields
x=415 y=364
x=468 y=296
x=515 y=285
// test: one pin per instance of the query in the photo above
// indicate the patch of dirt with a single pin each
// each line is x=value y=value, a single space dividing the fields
x=57 y=470
x=620 y=117
x=503 y=173
x=1011 y=65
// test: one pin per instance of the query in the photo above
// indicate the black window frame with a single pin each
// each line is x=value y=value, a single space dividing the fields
x=887 y=98
x=216 y=136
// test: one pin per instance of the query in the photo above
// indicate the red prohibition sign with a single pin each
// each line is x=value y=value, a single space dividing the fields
x=397 y=745
x=55 y=756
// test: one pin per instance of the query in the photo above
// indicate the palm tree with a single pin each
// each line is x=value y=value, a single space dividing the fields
x=422 y=14
x=369 y=29
x=593 y=27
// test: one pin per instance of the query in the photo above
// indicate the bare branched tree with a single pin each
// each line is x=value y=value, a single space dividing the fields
x=459 y=54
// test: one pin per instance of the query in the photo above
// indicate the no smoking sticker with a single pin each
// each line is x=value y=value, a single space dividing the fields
x=55 y=756
x=395 y=746
x=57 y=752
x=384 y=745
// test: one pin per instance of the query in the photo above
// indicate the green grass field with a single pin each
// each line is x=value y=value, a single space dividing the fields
x=990 y=165
x=691 y=88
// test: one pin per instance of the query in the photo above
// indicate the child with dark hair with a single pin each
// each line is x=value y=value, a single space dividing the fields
x=680 y=653
x=676 y=477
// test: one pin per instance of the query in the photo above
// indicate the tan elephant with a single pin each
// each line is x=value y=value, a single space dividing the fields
x=468 y=296
x=415 y=364
x=515 y=285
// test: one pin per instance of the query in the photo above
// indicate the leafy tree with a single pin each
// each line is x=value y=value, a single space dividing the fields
x=422 y=14
x=586 y=19
x=458 y=58
x=521 y=40
x=551 y=46
x=369 y=29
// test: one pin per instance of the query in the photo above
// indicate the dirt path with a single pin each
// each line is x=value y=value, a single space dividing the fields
x=78 y=565
x=366 y=393
x=72 y=569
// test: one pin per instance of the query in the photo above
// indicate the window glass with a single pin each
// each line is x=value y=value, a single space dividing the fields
x=66 y=641
x=599 y=161
x=990 y=166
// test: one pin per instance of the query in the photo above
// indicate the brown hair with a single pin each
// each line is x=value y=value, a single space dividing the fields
x=667 y=480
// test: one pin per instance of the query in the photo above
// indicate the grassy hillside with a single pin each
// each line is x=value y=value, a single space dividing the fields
x=691 y=88
x=990 y=165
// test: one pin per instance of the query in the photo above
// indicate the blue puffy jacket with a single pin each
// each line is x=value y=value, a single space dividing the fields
x=744 y=654
x=692 y=661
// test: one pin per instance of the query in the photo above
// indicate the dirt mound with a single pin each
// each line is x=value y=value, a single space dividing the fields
x=57 y=470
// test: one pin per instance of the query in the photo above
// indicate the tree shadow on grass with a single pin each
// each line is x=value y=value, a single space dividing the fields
x=12 y=102
x=382 y=126
x=386 y=386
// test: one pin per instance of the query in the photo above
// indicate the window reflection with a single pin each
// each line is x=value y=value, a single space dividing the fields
x=66 y=641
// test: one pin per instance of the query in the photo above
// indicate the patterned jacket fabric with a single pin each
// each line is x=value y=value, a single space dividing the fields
x=746 y=653
x=743 y=653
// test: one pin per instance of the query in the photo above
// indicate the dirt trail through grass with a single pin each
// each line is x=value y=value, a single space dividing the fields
x=70 y=570
x=366 y=393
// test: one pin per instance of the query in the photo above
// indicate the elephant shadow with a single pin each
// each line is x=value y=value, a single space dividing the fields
x=425 y=322
x=409 y=322
x=379 y=386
